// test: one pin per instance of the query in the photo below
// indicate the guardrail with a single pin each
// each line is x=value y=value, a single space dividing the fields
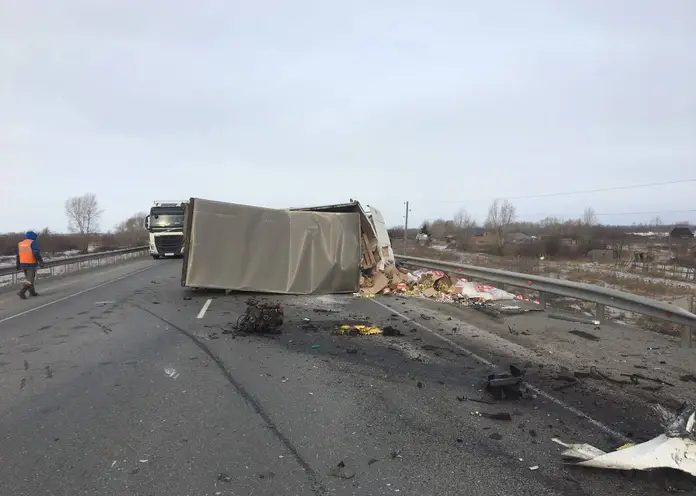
x=77 y=261
x=602 y=297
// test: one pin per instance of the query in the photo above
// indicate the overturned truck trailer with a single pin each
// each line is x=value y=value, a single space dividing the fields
x=244 y=248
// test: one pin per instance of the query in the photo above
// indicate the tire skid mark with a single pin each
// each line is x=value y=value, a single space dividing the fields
x=317 y=487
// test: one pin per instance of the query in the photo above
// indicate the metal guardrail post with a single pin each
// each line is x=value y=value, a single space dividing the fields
x=601 y=313
x=688 y=332
x=542 y=300
x=686 y=337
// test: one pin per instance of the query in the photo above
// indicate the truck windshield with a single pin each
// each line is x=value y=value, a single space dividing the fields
x=166 y=220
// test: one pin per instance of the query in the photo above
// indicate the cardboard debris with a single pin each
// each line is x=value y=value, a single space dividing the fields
x=386 y=279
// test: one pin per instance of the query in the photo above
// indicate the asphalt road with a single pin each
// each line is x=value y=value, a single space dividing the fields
x=110 y=384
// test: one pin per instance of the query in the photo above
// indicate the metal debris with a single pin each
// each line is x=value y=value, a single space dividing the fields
x=261 y=317
x=507 y=385
x=583 y=334
x=579 y=320
x=678 y=424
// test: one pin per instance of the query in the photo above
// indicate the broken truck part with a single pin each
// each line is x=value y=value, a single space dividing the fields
x=244 y=248
x=260 y=317
x=375 y=245
x=674 y=449
x=507 y=385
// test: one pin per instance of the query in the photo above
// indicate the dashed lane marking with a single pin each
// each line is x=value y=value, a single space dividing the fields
x=201 y=314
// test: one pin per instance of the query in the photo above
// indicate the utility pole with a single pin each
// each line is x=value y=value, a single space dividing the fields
x=406 y=230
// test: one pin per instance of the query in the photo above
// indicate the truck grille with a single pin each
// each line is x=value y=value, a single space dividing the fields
x=168 y=244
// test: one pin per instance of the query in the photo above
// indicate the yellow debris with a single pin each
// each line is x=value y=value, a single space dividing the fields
x=360 y=329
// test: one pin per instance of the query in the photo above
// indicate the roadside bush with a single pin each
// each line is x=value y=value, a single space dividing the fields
x=54 y=243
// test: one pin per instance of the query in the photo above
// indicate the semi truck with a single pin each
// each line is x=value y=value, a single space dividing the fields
x=166 y=226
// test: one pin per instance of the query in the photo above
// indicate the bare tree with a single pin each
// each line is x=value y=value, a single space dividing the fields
x=465 y=225
x=501 y=214
x=132 y=230
x=618 y=238
x=589 y=217
x=83 y=213
x=463 y=220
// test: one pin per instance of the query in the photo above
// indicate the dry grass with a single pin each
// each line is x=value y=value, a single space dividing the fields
x=658 y=326
x=633 y=285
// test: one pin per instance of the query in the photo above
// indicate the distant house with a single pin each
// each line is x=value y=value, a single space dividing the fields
x=520 y=238
x=599 y=255
x=569 y=241
x=484 y=238
x=681 y=232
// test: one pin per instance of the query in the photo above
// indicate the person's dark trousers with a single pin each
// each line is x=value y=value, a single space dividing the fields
x=30 y=277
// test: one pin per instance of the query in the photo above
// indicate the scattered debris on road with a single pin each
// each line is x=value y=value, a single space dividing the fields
x=475 y=400
x=507 y=385
x=497 y=416
x=634 y=379
x=391 y=331
x=584 y=335
x=362 y=330
x=261 y=317
x=570 y=318
x=341 y=471
x=675 y=449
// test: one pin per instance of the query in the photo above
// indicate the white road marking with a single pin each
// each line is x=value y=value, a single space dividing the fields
x=484 y=361
x=201 y=314
x=75 y=294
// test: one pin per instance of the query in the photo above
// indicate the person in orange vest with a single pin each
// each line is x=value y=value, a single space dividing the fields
x=28 y=260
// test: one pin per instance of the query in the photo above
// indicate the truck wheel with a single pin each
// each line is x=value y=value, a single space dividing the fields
x=156 y=257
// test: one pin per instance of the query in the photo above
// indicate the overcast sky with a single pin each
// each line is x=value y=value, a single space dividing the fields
x=447 y=104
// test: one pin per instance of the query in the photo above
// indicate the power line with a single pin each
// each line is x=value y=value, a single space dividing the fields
x=572 y=216
x=653 y=213
x=579 y=192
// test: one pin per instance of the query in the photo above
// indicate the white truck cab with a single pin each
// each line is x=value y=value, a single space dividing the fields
x=166 y=226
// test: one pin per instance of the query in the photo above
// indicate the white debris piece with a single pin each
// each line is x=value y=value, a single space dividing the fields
x=675 y=449
x=579 y=452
